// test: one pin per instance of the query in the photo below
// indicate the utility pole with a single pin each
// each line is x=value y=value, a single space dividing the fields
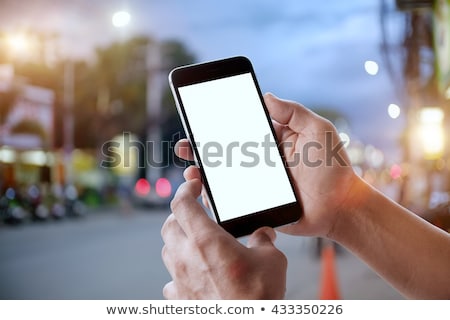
x=411 y=72
x=153 y=99
x=68 y=145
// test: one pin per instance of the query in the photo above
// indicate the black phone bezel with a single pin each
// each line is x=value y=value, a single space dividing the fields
x=213 y=70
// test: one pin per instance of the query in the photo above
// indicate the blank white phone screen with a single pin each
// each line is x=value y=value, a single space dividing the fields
x=242 y=164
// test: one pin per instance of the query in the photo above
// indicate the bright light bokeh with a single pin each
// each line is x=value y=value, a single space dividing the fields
x=373 y=156
x=394 y=111
x=431 y=115
x=163 y=188
x=395 y=171
x=121 y=19
x=18 y=43
x=125 y=157
x=7 y=155
x=34 y=157
x=371 y=67
x=142 y=187
x=345 y=138
x=431 y=132
x=432 y=139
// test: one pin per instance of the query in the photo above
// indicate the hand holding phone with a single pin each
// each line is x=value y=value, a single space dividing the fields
x=234 y=145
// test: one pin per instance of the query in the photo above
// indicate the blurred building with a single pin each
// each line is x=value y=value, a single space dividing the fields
x=426 y=73
x=26 y=131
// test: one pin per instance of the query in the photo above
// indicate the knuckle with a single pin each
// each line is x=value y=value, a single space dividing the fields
x=174 y=203
x=178 y=201
x=165 y=254
x=169 y=291
x=327 y=125
x=201 y=241
x=208 y=242
x=180 y=269
x=280 y=256
x=186 y=193
x=168 y=225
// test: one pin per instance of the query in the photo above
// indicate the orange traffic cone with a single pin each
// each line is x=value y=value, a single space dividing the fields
x=328 y=282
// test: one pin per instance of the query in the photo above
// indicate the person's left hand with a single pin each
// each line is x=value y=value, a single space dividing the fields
x=206 y=262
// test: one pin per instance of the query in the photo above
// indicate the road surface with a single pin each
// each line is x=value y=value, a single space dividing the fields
x=114 y=255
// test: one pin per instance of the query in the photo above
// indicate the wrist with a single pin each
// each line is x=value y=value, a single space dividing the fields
x=349 y=212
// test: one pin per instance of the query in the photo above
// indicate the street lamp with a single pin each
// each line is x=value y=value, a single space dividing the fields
x=154 y=87
x=371 y=67
x=121 y=19
x=18 y=43
x=23 y=46
x=394 y=111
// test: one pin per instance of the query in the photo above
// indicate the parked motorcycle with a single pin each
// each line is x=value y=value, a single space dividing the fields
x=12 y=210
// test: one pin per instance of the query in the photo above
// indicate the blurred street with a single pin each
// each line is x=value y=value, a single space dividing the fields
x=88 y=127
x=109 y=254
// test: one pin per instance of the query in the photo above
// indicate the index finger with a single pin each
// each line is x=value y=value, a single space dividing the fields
x=190 y=215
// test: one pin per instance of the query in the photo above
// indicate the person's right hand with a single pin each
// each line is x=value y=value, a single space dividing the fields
x=322 y=174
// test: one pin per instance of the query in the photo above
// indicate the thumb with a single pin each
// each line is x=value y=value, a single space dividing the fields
x=288 y=113
x=262 y=237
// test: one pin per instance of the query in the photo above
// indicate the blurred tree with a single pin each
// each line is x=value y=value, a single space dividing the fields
x=121 y=80
x=175 y=55
x=121 y=75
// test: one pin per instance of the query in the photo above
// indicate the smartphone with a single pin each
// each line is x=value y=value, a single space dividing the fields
x=234 y=145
